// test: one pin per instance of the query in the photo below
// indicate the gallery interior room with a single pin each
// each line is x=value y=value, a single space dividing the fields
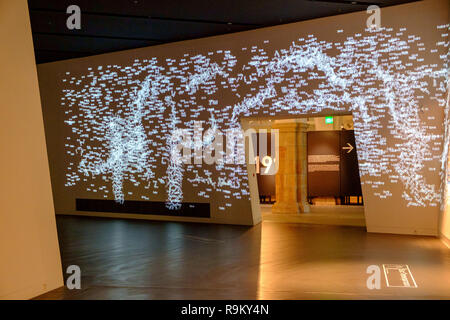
x=173 y=150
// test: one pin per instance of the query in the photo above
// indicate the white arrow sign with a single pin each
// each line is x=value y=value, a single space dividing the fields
x=349 y=148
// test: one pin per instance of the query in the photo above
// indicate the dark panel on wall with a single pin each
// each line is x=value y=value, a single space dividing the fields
x=323 y=163
x=350 y=180
x=197 y=210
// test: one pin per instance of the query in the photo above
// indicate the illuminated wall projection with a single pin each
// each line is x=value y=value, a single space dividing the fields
x=445 y=207
x=119 y=118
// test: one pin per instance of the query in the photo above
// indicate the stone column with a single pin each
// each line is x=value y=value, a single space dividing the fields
x=286 y=177
x=302 y=168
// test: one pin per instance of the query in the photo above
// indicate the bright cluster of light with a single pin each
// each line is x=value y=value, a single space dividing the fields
x=122 y=118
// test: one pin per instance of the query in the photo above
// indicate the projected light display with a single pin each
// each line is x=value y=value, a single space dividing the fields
x=122 y=118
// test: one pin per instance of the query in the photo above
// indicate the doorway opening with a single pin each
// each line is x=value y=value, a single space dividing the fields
x=317 y=178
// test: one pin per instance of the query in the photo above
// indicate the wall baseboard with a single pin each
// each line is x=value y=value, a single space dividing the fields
x=404 y=231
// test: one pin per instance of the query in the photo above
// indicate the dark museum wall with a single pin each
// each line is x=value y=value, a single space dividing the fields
x=109 y=118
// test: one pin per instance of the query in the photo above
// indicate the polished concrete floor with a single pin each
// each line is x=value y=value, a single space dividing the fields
x=131 y=259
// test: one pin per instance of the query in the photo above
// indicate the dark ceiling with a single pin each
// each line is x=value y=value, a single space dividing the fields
x=112 y=25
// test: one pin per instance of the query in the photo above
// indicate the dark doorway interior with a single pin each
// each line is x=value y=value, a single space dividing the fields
x=333 y=167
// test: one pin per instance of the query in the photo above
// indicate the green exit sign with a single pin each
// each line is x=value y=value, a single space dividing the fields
x=328 y=120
